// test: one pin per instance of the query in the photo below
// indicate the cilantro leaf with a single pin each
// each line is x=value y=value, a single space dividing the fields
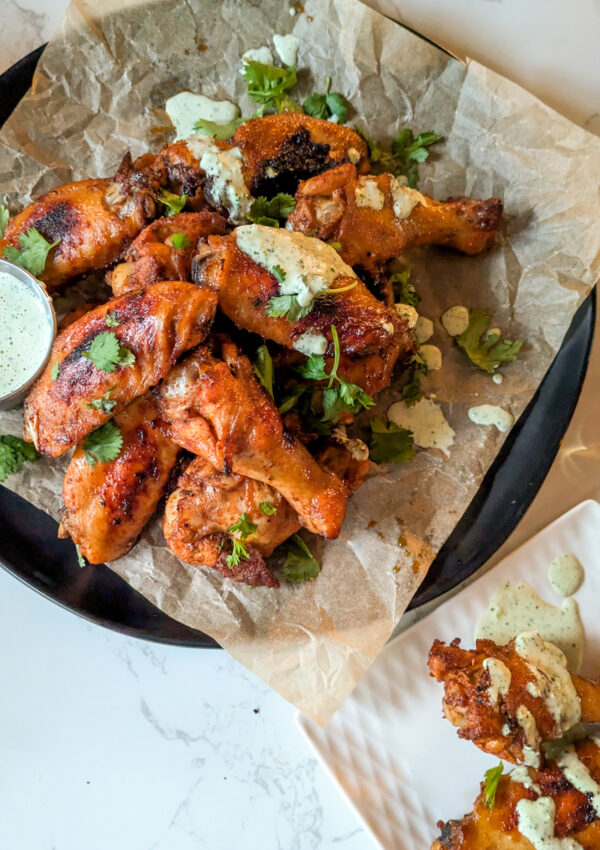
x=292 y=398
x=300 y=564
x=490 y=785
x=486 y=350
x=103 y=445
x=268 y=84
x=180 y=241
x=172 y=203
x=412 y=391
x=105 y=404
x=54 y=372
x=389 y=443
x=270 y=212
x=106 y=353
x=244 y=526
x=238 y=552
x=4 y=216
x=267 y=508
x=111 y=320
x=218 y=131
x=13 y=453
x=80 y=559
x=263 y=368
x=407 y=151
x=287 y=307
x=339 y=396
x=327 y=104
x=337 y=246
x=404 y=292
x=33 y=252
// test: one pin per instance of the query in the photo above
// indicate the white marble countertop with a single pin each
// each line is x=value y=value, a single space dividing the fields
x=111 y=742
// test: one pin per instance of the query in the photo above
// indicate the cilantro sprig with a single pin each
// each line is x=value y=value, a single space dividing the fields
x=180 y=241
x=218 y=131
x=104 y=403
x=244 y=527
x=106 y=353
x=406 y=153
x=270 y=212
x=412 y=391
x=404 y=291
x=490 y=785
x=339 y=396
x=4 y=216
x=80 y=559
x=111 y=320
x=268 y=85
x=484 y=349
x=267 y=508
x=13 y=453
x=32 y=254
x=327 y=104
x=288 y=306
x=103 y=445
x=389 y=443
x=264 y=368
x=171 y=202
x=300 y=564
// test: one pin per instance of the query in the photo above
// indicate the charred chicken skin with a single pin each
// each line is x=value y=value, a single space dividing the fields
x=108 y=504
x=372 y=336
x=157 y=325
x=218 y=410
x=374 y=218
x=153 y=256
x=95 y=220
x=565 y=813
x=207 y=503
x=492 y=695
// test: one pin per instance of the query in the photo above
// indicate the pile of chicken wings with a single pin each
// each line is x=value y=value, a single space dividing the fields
x=176 y=307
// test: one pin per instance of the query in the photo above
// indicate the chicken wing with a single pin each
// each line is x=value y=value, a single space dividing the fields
x=218 y=410
x=153 y=257
x=107 y=505
x=375 y=218
x=372 y=336
x=207 y=503
x=157 y=325
x=552 y=810
x=505 y=704
x=95 y=220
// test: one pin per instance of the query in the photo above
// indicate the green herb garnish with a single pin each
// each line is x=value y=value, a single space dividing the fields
x=218 y=131
x=389 y=443
x=267 y=508
x=404 y=292
x=13 y=453
x=490 y=785
x=54 y=372
x=106 y=353
x=327 y=104
x=484 y=349
x=180 y=241
x=4 y=217
x=80 y=559
x=111 y=320
x=300 y=564
x=103 y=445
x=268 y=85
x=407 y=152
x=271 y=212
x=33 y=252
x=244 y=527
x=264 y=369
x=412 y=392
x=105 y=404
x=172 y=203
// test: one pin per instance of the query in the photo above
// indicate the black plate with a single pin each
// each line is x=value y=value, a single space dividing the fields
x=30 y=550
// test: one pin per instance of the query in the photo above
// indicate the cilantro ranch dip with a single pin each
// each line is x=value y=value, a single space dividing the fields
x=225 y=185
x=26 y=329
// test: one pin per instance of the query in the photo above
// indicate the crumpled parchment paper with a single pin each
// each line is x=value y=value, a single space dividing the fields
x=99 y=91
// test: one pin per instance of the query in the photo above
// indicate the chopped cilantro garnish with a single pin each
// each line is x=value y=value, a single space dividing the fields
x=111 y=320
x=80 y=559
x=267 y=508
x=106 y=353
x=412 y=391
x=407 y=151
x=180 y=241
x=337 y=246
x=490 y=785
x=33 y=252
x=238 y=552
x=404 y=292
x=103 y=445
x=271 y=212
x=172 y=203
x=287 y=307
x=105 y=403
x=327 y=104
x=268 y=85
x=54 y=372
x=13 y=453
x=4 y=216
x=244 y=526
x=484 y=349
x=264 y=369
x=300 y=564
x=389 y=443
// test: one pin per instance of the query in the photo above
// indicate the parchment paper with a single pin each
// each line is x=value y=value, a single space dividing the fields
x=99 y=91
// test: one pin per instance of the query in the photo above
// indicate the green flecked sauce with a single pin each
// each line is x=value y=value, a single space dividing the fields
x=565 y=574
x=25 y=333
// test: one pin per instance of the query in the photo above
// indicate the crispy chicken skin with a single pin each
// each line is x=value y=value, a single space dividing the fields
x=206 y=503
x=157 y=325
x=279 y=150
x=218 y=410
x=467 y=706
x=108 y=505
x=95 y=221
x=372 y=336
x=152 y=257
x=326 y=207
x=497 y=828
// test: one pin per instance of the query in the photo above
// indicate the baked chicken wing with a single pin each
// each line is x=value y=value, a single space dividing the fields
x=534 y=809
x=371 y=335
x=154 y=255
x=375 y=218
x=108 y=504
x=146 y=331
x=95 y=220
x=218 y=410
x=207 y=502
x=509 y=699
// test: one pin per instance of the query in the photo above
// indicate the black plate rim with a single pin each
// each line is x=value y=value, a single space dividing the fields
x=14 y=76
